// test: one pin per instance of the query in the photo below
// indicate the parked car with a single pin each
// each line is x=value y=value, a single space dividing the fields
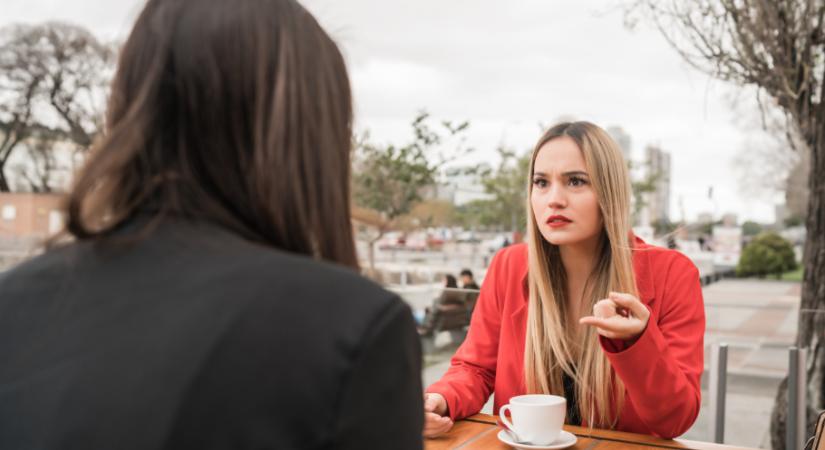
x=468 y=237
x=392 y=241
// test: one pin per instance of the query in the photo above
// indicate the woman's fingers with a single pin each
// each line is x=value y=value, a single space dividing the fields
x=604 y=308
x=612 y=320
x=435 y=403
x=616 y=327
x=435 y=425
x=608 y=324
x=430 y=403
x=630 y=302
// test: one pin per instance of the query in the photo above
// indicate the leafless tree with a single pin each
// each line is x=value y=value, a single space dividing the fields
x=766 y=161
x=21 y=81
x=54 y=79
x=37 y=173
x=778 y=47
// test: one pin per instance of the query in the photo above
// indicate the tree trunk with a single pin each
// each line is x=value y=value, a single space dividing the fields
x=372 y=256
x=811 y=333
x=371 y=247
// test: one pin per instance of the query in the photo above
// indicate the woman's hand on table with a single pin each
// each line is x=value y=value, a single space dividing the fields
x=436 y=422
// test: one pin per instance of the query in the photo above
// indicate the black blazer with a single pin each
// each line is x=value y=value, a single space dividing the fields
x=197 y=339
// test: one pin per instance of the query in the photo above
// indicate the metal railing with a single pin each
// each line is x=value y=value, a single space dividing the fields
x=717 y=390
x=795 y=432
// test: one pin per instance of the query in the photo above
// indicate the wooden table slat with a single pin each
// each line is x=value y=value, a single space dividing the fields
x=461 y=432
x=480 y=432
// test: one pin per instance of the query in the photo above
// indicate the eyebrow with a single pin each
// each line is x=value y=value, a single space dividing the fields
x=566 y=174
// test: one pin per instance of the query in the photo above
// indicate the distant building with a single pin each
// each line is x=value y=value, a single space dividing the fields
x=623 y=139
x=730 y=220
x=704 y=217
x=658 y=201
x=458 y=188
x=27 y=215
x=26 y=221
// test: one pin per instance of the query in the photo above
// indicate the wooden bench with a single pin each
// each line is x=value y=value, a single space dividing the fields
x=451 y=312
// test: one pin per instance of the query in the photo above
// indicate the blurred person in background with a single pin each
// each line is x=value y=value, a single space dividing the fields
x=467 y=281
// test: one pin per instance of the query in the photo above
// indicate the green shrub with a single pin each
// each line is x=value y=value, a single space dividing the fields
x=768 y=253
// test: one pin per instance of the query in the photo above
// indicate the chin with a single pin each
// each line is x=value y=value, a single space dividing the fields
x=559 y=238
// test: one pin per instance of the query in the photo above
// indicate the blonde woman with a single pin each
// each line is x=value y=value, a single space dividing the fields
x=584 y=309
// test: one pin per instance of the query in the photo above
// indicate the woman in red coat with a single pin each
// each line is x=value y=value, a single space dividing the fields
x=583 y=309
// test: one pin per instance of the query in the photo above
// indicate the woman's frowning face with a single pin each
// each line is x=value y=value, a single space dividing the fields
x=564 y=203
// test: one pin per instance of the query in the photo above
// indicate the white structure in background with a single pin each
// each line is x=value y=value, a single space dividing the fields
x=623 y=139
x=658 y=201
x=727 y=245
x=704 y=217
x=645 y=232
x=625 y=143
x=730 y=219
x=460 y=188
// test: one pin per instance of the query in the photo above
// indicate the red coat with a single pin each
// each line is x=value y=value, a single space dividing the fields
x=660 y=371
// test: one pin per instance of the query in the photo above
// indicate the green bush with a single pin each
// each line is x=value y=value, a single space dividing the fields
x=751 y=228
x=768 y=253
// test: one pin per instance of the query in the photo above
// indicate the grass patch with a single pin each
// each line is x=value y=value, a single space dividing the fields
x=794 y=275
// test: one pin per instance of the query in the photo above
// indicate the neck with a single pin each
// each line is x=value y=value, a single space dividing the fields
x=579 y=259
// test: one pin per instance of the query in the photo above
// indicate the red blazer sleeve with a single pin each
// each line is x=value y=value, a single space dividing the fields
x=661 y=370
x=470 y=379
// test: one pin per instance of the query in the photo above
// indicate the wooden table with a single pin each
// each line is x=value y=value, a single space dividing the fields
x=479 y=432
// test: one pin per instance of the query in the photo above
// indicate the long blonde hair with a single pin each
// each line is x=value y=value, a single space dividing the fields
x=551 y=348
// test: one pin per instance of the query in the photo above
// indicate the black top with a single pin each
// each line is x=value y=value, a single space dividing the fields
x=573 y=415
x=471 y=285
x=196 y=339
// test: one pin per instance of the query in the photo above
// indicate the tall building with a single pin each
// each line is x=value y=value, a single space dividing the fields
x=623 y=139
x=658 y=165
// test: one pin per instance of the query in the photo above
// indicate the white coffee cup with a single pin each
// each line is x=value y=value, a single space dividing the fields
x=537 y=418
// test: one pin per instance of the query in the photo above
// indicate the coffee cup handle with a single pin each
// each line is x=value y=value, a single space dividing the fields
x=504 y=418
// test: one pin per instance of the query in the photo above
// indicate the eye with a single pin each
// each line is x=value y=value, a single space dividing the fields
x=539 y=182
x=576 y=181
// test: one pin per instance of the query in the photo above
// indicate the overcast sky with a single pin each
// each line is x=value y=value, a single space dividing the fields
x=506 y=67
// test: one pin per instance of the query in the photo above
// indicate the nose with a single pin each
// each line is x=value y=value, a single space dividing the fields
x=556 y=197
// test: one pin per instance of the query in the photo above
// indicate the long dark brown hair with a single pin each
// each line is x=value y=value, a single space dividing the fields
x=234 y=112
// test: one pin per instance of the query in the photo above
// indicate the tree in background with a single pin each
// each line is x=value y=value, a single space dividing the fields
x=507 y=185
x=778 y=48
x=663 y=227
x=767 y=254
x=391 y=179
x=54 y=80
x=794 y=221
x=428 y=214
x=751 y=228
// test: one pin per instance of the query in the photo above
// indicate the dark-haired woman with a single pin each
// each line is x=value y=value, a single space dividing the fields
x=209 y=298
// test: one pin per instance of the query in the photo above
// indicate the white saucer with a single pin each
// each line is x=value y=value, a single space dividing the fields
x=564 y=440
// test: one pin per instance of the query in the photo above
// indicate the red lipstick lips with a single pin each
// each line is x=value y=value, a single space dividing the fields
x=558 y=221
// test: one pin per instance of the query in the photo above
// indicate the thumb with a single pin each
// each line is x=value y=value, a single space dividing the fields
x=430 y=403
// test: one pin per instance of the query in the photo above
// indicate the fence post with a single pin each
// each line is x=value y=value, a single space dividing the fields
x=718 y=389
x=795 y=424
